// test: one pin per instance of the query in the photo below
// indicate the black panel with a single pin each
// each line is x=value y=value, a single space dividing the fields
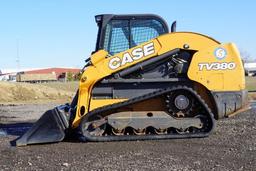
x=163 y=71
x=158 y=67
x=132 y=89
x=229 y=102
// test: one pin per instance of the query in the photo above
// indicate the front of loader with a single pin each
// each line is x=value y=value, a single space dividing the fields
x=143 y=82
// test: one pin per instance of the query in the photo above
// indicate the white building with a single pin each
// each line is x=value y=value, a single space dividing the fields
x=8 y=74
x=4 y=77
x=250 y=68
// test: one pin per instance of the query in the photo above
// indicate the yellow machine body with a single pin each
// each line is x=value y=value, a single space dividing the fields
x=216 y=73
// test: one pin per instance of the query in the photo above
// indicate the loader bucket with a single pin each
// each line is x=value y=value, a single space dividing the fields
x=49 y=128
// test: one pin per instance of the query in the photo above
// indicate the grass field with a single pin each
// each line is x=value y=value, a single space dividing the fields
x=65 y=86
x=13 y=92
x=73 y=86
x=250 y=83
x=251 y=86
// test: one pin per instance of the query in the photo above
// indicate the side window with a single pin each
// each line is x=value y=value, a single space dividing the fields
x=121 y=35
x=117 y=36
x=145 y=30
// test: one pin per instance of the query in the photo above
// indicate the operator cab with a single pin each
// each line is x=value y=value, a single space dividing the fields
x=118 y=33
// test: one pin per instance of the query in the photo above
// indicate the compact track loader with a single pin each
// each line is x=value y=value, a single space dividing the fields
x=143 y=82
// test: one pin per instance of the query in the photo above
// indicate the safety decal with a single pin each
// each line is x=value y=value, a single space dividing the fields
x=135 y=55
x=217 y=66
x=220 y=53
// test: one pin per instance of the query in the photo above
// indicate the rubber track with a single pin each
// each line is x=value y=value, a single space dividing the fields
x=85 y=136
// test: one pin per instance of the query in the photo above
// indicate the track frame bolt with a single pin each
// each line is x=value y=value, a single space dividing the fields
x=83 y=79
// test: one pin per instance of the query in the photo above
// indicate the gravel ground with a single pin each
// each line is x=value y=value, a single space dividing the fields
x=231 y=147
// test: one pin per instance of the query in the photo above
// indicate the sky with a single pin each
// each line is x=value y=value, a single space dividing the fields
x=62 y=33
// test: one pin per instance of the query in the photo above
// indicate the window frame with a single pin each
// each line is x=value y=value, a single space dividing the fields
x=106 y=18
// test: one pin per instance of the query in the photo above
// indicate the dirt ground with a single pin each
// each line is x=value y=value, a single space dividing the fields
x=231 y=147
x=16 y=92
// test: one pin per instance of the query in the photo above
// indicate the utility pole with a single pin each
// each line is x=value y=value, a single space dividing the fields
x=18 y=55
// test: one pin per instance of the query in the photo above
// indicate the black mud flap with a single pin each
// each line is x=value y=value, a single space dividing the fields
x=49 y=128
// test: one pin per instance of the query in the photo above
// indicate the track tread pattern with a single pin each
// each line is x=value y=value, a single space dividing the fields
x=84 y=136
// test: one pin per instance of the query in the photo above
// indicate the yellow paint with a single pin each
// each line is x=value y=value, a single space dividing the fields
x=96 y=103
x=99 y=70
x=179 y=39
x=218 y=80
x=204 y=47
x=98 y=56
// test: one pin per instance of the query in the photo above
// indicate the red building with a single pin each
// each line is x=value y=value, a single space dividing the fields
x=60 y=72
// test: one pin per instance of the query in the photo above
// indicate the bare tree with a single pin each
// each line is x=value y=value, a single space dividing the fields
x=246 y=56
